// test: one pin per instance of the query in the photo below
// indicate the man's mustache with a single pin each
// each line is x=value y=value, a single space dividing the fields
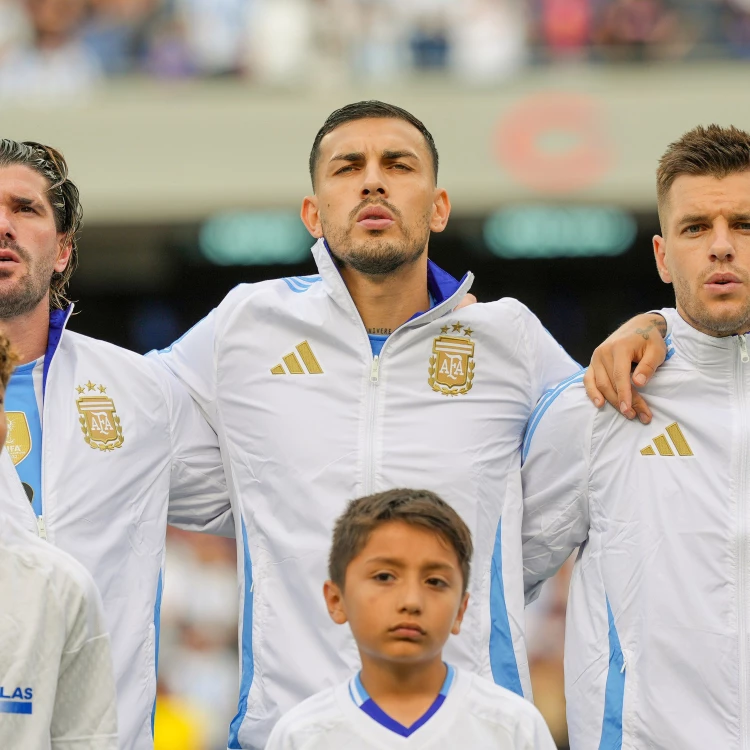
x=6 y=244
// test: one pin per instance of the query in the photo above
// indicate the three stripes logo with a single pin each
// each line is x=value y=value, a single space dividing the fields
x=664 y=447
x=308 y=365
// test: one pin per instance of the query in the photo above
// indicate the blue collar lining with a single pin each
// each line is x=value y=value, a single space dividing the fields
x=57 y=320
x=362 y=699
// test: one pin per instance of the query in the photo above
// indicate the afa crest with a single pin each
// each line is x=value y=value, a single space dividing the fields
x=99 y=421
x=451 y=369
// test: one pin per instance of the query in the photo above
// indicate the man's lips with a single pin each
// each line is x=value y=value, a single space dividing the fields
x=8 y=256
x=375 y=217
x=723 y=283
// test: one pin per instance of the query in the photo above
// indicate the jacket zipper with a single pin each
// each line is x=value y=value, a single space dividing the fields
x=372 y=396
x=743 y=558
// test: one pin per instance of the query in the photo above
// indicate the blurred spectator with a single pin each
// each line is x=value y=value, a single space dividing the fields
x=198 y=660
x=488 y=40
x=13 y=25
x=116 y=32
x=53 y=65
x=565 y=27
x=638 y=30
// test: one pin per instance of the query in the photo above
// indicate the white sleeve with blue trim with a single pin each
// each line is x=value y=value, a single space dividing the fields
x=555 y=482
x=191 y=360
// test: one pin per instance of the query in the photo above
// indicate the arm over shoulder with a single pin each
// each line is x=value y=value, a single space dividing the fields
x=556 y=454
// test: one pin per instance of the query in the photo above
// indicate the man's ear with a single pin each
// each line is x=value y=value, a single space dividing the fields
x=65 y=250
x=660 y=255
x=311 y=217
x=335 y=602
x=456 y=629
x=441 y=210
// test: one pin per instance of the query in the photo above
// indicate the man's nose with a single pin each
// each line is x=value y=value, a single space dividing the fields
x=722 y=248
x=373 y=183
x=7 y=228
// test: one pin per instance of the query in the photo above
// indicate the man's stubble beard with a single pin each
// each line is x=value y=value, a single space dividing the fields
x=700 y=314
x=378 y=256
x=30 y=289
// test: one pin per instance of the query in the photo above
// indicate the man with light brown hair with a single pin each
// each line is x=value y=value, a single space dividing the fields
x=658 y=634
x=108 y=446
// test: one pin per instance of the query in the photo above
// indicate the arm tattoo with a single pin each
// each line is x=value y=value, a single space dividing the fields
x=658 y=323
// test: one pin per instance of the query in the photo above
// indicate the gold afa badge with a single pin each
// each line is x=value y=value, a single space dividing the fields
x=18 y=442
x=451 y=369
x=99 y=421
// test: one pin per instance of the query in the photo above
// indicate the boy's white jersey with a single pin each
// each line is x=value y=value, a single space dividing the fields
x=657 y=650
x=124 y=449
x=57 y=689
x=308 y=420
x=476 y=714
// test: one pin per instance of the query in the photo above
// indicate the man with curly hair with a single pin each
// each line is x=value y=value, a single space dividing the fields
x=108 y=446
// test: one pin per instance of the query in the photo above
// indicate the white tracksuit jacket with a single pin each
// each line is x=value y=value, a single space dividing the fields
x=57 y=688
x=124 y=448
x=657 y=653
x=308 y=420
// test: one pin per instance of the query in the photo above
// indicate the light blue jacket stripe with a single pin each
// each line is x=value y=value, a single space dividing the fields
x=502 y=656
x=545 y=402
x=614 y=692
x=248 y=665
x=157 y=629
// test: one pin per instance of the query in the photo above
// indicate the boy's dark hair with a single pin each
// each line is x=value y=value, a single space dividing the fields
x=415 y=507
x=711 y=151
x=363 y=111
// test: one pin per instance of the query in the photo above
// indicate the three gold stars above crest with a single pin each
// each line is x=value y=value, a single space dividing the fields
x=456 y=328
x=91 y=387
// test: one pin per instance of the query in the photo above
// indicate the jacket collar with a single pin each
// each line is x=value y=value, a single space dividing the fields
x=445 y=290
x=58 y=319
x=699 y=348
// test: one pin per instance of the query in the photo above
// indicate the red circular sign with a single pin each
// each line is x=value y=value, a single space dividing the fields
x=555 y=143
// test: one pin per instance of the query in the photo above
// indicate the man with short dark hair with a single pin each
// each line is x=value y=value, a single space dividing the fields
x=359 y=379
x=657 y=650
x=108 y=446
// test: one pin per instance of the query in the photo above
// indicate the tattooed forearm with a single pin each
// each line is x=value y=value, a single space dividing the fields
x=656 y=323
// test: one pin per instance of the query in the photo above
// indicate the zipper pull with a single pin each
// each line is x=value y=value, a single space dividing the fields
x=375 y=369
x=743 y=348
x=41 y=527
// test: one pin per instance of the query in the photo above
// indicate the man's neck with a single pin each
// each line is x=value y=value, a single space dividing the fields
x=404 y=691
x=28 y=333
x=384 y=303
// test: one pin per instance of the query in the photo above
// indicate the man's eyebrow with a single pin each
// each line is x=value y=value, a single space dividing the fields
x=692 y=219
x=390 y=155
x=351 y=156
x=741 y=217
x=21 y=201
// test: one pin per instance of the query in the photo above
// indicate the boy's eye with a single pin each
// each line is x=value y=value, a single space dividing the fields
x=437 y=582
x=383 y=576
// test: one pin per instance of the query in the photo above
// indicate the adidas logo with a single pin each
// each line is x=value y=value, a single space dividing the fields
x=663 y=446
x=293 y=364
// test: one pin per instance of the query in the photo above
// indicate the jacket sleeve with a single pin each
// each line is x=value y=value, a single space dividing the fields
x=198 y=497
x=191 y=361
x=84 y=716
x=547 y=362
x=555 y=474
x=198 y=494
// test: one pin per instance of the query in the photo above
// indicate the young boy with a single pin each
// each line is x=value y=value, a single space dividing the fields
x=399 y=569
x=57 y=688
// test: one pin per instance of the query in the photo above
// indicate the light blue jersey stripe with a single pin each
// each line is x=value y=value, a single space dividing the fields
x=157 y=629
x=248 y=665
x=502 y=655
x=544 y=403
x=614 y=692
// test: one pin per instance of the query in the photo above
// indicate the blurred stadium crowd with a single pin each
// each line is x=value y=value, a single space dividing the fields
x=58 y=48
